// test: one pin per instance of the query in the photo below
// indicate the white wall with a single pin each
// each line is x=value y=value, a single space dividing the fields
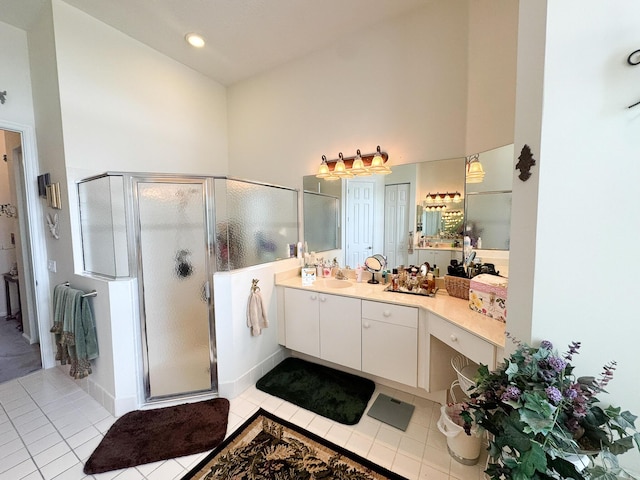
x=127 y=107
x=15 y=76
x=393 y=85
x=493 y=35
x=17 y=115
x=123 y=106
x=571 y=109
x=242 y=358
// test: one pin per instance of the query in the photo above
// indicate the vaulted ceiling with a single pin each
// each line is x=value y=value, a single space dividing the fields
x=243 y=37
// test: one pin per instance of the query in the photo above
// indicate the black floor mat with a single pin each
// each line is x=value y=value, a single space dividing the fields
x=340 y=396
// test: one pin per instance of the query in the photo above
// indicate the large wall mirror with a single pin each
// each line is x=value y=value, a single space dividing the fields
x=378 y=213
x=322 y=212
x=488 y=203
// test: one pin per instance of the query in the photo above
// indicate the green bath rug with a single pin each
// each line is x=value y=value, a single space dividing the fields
x=340 y=396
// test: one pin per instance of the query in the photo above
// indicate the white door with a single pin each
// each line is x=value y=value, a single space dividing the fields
x=360 y=217
x=396 y=224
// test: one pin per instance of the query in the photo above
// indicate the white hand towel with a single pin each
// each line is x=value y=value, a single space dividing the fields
x=256 y=314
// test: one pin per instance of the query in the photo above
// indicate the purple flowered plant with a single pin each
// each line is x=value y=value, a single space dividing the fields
x=535 y=409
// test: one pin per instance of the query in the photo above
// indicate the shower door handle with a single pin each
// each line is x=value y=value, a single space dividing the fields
x=205 y=291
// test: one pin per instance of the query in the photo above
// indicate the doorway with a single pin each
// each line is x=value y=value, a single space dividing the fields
x=396 y=223
x=360 y=215
x=20 y=351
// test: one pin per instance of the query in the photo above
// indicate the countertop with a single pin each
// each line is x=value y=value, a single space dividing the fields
x=452 y=309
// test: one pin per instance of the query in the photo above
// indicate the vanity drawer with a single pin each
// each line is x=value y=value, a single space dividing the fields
x=390 y=313
x=472 y=347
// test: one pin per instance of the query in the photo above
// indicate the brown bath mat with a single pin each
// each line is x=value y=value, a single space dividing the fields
x=146 y=436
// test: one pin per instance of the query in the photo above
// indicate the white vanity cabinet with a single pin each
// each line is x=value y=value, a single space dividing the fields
x=390 y=341
x=324 y=326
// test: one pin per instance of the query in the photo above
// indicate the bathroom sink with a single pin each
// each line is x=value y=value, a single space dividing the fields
x=333 y=283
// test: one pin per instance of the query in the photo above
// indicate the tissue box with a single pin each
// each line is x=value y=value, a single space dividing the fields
x=488 y=295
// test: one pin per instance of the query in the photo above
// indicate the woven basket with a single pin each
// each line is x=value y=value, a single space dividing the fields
x=457 y=286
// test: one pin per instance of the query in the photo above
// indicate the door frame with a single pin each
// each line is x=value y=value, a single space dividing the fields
x=34 y=248
x=136 y=248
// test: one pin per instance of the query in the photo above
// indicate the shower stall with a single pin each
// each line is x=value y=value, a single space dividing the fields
x=172 y=233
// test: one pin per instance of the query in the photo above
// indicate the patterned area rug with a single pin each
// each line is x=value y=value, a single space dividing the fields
x=267 y=447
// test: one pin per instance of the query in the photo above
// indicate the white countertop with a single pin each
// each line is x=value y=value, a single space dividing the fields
x=454 y=310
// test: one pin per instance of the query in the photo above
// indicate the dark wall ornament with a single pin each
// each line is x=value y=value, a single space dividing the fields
x=525 y=162
x=3 y=97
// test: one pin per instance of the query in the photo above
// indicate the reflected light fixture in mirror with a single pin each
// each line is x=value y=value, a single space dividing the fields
x=475 y=172
x=360 y=165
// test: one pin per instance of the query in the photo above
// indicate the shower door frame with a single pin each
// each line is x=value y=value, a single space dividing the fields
x=208 y=246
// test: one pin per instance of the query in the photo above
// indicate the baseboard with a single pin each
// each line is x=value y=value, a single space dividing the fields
x=233 y=389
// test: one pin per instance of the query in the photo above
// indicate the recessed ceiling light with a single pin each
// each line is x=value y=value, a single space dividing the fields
x=194 y=40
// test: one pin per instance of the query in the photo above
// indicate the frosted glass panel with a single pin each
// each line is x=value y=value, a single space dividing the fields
x=254 y=223
x=103 y=226
x=173 y=241
x=322 y=220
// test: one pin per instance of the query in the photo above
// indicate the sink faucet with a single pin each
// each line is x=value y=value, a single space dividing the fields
x=340 y=275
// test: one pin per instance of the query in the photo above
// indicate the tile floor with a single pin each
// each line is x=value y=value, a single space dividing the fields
x=49 y=426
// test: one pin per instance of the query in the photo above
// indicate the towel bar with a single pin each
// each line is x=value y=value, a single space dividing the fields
x=92 y=293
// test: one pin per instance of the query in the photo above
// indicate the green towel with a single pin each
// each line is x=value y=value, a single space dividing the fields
x=74 y=330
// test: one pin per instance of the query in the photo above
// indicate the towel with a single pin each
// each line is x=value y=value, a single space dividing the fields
x=256 y=314
x=74 y=330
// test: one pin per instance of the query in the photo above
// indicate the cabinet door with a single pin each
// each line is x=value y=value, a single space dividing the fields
x=301 y=317
x=390 y=342
x=340 y=320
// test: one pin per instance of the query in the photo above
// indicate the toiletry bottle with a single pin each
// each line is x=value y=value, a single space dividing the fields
x=394 y=279
x=326 y=270
x=479 y=243
x=359 y=274
x=436 y=271
x=431 y=284
x=319 y=269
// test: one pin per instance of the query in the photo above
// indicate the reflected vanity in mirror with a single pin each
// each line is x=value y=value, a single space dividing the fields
x=391 y=214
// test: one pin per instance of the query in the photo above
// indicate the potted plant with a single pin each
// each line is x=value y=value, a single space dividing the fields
x=544 y=422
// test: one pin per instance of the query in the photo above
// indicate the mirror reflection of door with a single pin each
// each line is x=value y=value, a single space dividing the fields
x=396 y=223
x=360 y=221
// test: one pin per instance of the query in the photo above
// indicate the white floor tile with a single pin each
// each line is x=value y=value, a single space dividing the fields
x=52 y=427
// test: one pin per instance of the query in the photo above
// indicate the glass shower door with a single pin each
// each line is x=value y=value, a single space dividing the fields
x=177 y=312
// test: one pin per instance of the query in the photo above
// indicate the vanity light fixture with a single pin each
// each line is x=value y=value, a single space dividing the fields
x=475 y=172
x=340 y=169
x=360 y=165
x=358 y=168
x=195 y=40
x=447 y=197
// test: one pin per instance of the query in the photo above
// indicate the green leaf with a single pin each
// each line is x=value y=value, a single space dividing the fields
x=511 y=371
x=532 y=460
x=621 y=445
x=564 y=468
x=537 y=414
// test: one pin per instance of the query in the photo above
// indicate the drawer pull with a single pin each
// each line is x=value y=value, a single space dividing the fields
x=453 y=338
x=386 y=313
x=323 y=299
x=366 y=325
x=313 y=297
